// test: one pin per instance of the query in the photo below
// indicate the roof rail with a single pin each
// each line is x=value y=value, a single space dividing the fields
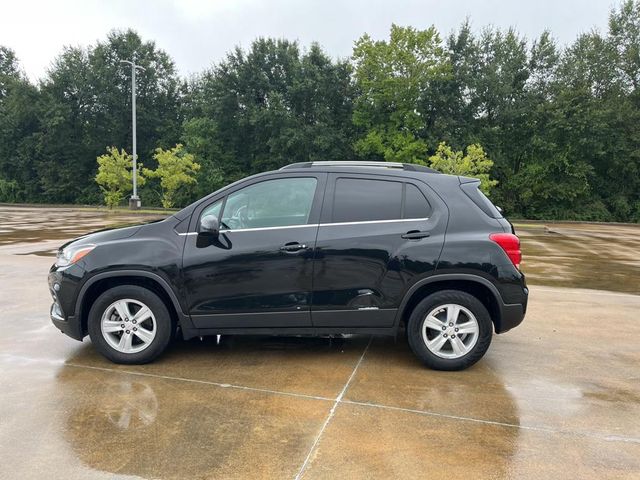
x=403 y=166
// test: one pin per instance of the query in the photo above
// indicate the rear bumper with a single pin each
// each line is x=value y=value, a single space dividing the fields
x=512 y=315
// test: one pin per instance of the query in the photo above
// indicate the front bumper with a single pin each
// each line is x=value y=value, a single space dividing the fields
x=67 y=324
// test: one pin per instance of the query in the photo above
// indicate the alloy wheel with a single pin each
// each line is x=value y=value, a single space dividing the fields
x=128 y=325
x=450 y=331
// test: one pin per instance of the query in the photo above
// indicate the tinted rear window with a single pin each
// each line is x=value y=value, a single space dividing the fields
x=360 y=200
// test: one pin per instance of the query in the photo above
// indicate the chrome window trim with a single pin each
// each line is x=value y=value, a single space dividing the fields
x=257 y=229
x=364 y=222
x=334 y=224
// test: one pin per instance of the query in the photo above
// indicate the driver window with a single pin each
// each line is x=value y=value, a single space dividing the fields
x=213 y=209
x=273 y=203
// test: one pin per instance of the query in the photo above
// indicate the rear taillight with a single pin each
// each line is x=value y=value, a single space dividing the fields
x=510 y=243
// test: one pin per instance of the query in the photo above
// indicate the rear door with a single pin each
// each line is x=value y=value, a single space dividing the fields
x=377 y=235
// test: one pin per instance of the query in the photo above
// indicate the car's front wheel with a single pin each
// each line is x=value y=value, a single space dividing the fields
x=130 y=324
x=450 y=330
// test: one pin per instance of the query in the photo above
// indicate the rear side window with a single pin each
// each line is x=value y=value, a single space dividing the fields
x=361 y=200
x=415 y=205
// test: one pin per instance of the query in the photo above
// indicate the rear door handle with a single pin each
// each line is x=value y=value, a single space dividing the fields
x=415 y=235
x=292 y=247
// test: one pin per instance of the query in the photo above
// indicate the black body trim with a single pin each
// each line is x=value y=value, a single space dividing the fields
x=252 y=320
x=511 y=315
x=312 y=331
x=70 y=326
x=184 y=319
x=359 y=318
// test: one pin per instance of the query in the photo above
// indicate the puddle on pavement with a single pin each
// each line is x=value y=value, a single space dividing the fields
x=41 y=253
x=602 y=257
x=19 y=225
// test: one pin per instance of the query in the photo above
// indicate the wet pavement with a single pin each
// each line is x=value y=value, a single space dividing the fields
x=605 y=257
x=557 y=397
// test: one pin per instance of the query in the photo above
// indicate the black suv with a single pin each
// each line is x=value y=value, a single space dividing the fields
x=318 y=248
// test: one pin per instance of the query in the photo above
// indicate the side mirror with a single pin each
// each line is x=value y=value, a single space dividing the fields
x=209 y=226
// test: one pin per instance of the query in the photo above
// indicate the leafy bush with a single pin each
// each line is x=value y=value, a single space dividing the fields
x=115 y=175
x=472 y=163
x=176 y=170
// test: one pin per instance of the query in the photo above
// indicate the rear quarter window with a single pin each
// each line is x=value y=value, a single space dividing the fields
x=415 y=203
x=472 y=190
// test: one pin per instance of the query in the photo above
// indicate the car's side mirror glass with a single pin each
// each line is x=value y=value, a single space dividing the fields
x=209 y=226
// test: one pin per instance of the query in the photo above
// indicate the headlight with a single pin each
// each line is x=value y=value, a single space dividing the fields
x=72 y=254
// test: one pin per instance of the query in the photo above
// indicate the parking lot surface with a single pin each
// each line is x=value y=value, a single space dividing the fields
x=558 y=397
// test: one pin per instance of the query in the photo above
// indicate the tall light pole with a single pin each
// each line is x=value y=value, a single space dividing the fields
x=134 y=201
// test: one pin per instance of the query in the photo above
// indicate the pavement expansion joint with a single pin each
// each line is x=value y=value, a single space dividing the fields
x=204 y=382
x=331 y=413
x=608 y=438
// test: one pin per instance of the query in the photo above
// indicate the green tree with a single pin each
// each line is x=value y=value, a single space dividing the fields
x=86 y=102
x=9 y=70
x=473 y=162
x=394 y=79
x=20 y=127
x=624 y=36
x=115 y=176
x=202 y=137
x=176 y=170
x=265 y=107
x=502 y=104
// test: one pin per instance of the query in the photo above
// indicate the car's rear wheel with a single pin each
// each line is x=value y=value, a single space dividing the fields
x=450 y=330
x=130 y=324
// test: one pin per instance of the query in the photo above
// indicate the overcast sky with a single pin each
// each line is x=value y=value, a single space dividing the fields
x=197 y=33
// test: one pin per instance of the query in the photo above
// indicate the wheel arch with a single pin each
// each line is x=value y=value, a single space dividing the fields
x=102 y=282
x=477 y=286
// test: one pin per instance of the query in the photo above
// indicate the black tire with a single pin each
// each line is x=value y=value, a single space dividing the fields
x=444 y=297
x=165 y=327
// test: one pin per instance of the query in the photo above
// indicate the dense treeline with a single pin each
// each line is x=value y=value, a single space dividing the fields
x=561 y=124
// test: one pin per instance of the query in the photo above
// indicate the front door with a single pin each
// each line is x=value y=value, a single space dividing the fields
x=376 y=236
x=258 y=272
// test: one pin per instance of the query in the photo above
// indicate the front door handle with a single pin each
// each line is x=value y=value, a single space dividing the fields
x=415 y=235
x=292 y=247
